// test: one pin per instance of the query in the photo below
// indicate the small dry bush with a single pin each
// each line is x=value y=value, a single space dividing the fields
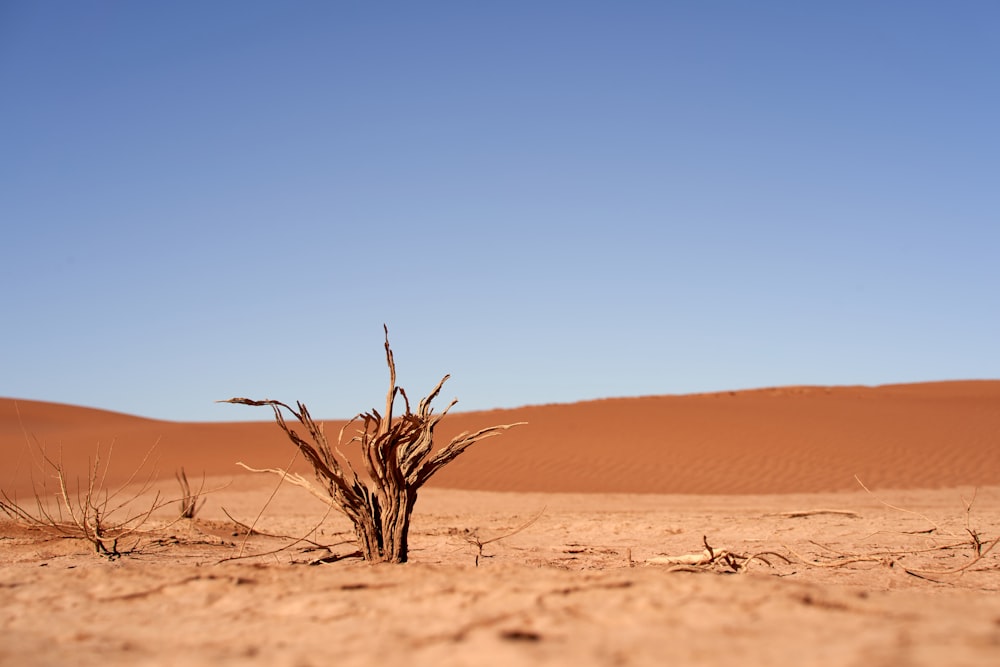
x=90 y=511
x=398 y=457
x=190 y=500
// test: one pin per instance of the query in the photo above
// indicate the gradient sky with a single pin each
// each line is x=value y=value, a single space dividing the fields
x=550 y=201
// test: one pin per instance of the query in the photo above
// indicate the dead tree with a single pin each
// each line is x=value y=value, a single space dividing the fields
x=398 y=459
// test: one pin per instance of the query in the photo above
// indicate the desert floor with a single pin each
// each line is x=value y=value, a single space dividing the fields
x=905 y=574
x=579 y=585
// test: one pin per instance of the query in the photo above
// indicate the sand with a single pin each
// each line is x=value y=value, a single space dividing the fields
x=888 y=577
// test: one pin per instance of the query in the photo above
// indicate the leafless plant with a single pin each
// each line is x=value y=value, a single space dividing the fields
x=974 y=534
x=397 y=456
x=473 y=536
x=92 y=512
x=190 y=501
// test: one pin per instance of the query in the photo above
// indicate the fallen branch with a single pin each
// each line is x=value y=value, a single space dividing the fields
x=715 y=559
x=805 y=513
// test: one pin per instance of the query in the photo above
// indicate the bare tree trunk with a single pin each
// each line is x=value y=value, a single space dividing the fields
x=396 y=527
x=384 y=531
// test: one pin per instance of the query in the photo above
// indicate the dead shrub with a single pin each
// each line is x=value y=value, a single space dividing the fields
x=91 y=511
x=190 y=501
x=398 y=459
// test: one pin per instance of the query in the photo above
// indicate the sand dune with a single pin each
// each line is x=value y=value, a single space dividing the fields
x=781 y=440
x=585 y=583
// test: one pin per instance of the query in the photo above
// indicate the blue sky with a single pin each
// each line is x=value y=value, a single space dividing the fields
x=550 y=201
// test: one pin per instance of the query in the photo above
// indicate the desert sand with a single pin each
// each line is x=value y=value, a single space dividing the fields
x=617 y=496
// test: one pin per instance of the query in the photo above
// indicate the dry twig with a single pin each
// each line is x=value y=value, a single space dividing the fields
x=717 y=560
x=804 y=513
x=894 y=557
x=474 y=539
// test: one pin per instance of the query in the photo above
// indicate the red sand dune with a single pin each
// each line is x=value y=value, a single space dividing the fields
x=782 y=440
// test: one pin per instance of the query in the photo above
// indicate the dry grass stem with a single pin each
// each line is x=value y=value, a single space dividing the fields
x=894 y=507
x=474 y=539
x=190 y=501
x=294 y=541
x=282 y=475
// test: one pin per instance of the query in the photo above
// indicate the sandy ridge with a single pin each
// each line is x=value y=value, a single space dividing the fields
x=780 y=440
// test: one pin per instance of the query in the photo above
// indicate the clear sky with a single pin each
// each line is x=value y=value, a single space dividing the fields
x=552 y=201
